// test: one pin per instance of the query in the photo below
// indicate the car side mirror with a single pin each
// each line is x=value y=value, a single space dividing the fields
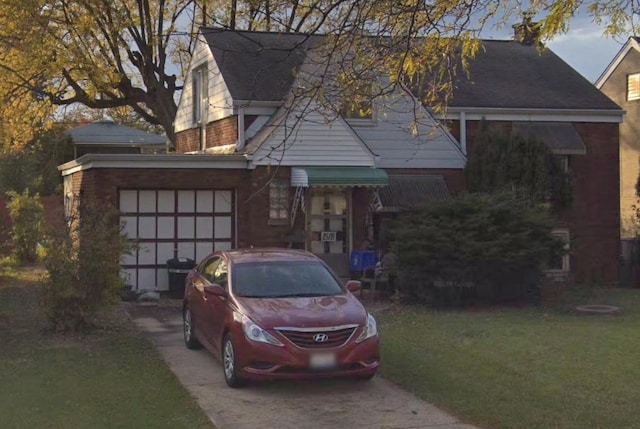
x=354 y=285
x=215 y=289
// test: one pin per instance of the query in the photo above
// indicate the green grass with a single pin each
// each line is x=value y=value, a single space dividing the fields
x=110 y=378
x=543 y=367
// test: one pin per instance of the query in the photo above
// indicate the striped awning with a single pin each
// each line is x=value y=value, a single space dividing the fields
x=338 y=176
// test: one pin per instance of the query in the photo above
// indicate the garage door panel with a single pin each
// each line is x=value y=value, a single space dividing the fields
x=147 y=254
x=166 y=227
x=164 y=253
x=202 y=250
x=129 y=201
x=204 y=227
x=186 y=250
x=167 y=223
x=147 y=202
x=186 y=201
x=166 y=201
x=186 y=227
x=129 y=226
x=146 y=278
x=147 y=227
x=204 y=203
x=222 y=225
x=162 y=276
x=222 y=245
x=223 y=201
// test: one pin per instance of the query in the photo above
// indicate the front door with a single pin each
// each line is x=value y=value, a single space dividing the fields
x=328 y=228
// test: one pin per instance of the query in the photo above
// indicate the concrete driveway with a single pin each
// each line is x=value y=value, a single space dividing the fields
x=284 y=404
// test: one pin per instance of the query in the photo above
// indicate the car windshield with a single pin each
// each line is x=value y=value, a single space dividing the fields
x=280 y=279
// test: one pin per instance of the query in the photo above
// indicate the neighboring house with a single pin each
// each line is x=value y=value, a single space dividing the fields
x=621 y=82
x=259 y=166
x=108 y=137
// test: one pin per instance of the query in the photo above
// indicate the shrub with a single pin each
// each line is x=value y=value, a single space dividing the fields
x=83 y=263
x=27 y=217
x=475 y=246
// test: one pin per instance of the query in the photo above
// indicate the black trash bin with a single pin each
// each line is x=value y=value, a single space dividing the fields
x=178 y=269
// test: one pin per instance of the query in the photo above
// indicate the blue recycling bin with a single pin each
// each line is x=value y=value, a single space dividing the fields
x=361 y=259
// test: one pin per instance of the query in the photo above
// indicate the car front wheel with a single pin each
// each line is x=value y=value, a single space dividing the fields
x=187 y=325
x=229 y=363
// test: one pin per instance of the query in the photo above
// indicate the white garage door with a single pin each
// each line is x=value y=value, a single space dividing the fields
x=173 y=223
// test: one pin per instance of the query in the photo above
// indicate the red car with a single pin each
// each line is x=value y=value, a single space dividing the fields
x=278 y=313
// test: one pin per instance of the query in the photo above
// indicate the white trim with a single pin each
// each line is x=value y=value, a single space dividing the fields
x=615 y=62
x=535 y=115
x=143 y=161
x=566 y=262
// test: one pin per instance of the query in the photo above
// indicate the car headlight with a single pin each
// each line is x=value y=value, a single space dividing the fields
x=256 y=333
x=370 y=331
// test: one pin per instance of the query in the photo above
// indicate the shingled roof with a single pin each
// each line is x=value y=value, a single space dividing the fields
x=261 y=66
x=507 y=74
x=258 y=66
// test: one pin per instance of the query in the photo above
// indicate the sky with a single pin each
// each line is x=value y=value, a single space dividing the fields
x=584 y=47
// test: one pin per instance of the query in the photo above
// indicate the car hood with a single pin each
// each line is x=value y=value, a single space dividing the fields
x=304 y=312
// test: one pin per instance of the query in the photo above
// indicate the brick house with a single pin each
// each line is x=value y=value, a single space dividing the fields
x=620 y=81
x=257 y=165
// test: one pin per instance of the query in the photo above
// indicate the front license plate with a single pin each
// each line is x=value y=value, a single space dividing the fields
x=323 y=360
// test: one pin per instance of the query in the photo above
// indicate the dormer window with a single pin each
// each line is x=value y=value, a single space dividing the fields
x=198 y=93
x=361 y=106
x=633 y=87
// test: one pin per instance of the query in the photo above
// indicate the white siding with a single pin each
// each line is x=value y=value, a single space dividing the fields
x=312 y=140
x=220 y=102
x=406 y=136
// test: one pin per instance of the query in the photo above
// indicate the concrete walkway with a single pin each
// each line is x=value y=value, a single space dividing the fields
x=285 y=404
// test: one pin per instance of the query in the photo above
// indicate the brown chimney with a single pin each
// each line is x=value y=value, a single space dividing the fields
x=527 y=32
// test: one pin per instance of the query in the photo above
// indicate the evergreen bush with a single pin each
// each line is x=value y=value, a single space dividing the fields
x=27 y=218
x=474 y=246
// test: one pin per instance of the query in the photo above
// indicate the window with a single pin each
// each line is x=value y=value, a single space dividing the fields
x=560 y=264
x=198 y=93
x=279 y=200
x=361 y=106
x=633 y=87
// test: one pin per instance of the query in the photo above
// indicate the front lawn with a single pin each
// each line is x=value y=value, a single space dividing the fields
x=111 y=378
x=543 y=367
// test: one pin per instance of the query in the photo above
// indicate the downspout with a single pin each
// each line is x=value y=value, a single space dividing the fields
x=241 y=136
x=463 y=132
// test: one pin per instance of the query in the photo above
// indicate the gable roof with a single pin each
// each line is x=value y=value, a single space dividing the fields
x=632 y=43
x=261 y=66
x=108 y=133
x=258 y=66
x=508 y=74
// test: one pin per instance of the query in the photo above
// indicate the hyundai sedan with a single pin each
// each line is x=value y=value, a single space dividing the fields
x=278 y=313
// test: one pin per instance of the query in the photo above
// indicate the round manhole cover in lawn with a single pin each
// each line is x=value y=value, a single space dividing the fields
x=598 y=310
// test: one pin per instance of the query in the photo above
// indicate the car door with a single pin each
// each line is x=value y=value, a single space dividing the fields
x=217 y=306
x=199 y=302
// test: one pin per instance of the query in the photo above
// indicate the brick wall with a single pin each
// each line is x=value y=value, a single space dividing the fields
x=616 y=88
x=221 y=132
x=252 y=194
x=593 y=219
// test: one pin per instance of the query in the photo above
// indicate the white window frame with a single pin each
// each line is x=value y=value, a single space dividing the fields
x=566 y=237
x=279 y=201
x=633 y=86
x=198 y=94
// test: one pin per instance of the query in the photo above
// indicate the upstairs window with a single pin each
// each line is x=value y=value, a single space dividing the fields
x=198 y=94
x=279 y=200
x=360 y=106
x=633 y=87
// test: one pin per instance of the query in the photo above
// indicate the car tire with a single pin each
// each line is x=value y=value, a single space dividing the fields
x=229 y=367
x=187 y=330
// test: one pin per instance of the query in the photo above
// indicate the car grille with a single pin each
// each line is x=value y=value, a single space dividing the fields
x=328 y=338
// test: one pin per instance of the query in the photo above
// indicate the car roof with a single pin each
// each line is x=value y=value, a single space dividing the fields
x=269 y=254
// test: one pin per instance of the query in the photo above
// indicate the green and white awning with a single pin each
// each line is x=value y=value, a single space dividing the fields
x=338 y=176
